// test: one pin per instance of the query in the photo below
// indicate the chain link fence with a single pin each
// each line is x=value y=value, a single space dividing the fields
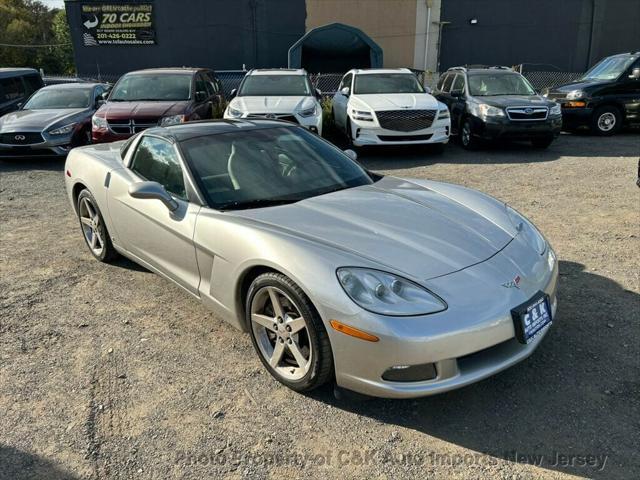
x=328 y=83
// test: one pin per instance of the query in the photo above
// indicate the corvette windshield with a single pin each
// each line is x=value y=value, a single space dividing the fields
x=609 y=69
x=267 y=167
x=387 y=83
x=275 y=85
x=149 y=87
x=487 y=84
x=59 y=98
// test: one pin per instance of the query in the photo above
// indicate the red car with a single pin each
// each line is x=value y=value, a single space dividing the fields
x=156 y=97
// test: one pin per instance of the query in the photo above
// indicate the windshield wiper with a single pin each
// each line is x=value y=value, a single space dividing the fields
x=258 y=203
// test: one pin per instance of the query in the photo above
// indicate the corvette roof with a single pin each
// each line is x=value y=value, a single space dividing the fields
x=213 y=127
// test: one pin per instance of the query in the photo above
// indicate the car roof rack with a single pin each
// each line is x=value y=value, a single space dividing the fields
x=465 y=68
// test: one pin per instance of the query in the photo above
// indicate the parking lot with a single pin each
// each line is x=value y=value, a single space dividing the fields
x=109 y=371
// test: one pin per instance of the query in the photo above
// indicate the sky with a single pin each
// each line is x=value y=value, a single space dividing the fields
x=54 y=3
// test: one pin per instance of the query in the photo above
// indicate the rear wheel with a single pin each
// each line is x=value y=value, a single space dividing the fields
x=606 y=120
x=287 y=333
x=93 y=228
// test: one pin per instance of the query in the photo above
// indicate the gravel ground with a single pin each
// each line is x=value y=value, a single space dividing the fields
x=109 y=371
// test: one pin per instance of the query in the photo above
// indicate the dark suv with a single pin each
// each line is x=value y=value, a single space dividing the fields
x=157 y=97
x=496 y=103
x=605 y=98
x=16 y=86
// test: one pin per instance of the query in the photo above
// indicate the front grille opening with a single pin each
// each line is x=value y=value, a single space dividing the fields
x=404 y=138
x=410 y=373
x=406 y=120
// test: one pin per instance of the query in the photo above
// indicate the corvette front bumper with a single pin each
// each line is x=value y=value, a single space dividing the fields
x=471 y=340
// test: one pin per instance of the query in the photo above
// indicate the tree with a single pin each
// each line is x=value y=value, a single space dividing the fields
x=27 y=25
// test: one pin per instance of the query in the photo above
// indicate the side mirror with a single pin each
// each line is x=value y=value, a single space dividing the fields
x=233 y=93
x=153 y=191
x=456 y=93
x=351 y=154
x=201 y=96
x=104 y=97
x=635 y=73
x=345 y=91
x=99 y=102
x=318 y=94
x=19 y=105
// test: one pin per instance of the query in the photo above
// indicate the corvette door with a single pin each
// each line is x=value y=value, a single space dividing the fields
x=146 y=227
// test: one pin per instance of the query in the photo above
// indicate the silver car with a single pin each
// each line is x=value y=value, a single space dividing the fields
x=54 y=120
x=392 y=287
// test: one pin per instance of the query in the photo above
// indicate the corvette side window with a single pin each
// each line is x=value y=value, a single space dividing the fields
x=156 y=160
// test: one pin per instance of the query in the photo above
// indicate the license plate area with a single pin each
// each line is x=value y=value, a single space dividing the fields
x=531 y=317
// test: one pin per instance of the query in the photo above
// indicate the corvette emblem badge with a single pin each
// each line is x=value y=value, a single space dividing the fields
x=515 y=283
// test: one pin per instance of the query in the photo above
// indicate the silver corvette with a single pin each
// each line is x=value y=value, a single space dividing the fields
x=392 y=287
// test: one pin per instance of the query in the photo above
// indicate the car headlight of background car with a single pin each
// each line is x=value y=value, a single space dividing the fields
x=443 y=114
x=362 y=115
x=575 y=95
x=528 y=230
x=99 y=122
x=387 y=294
x=485 y=111
x=233 y=112
x=63 y=130
x=555 y=110
x=172 y=120
x=309 y=112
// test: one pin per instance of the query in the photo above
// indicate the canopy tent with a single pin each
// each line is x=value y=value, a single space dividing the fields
x=335 y=48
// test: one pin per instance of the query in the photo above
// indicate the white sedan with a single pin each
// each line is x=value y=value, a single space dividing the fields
x=389 y=107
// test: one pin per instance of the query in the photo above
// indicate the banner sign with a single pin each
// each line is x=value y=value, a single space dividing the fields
x=118 y=24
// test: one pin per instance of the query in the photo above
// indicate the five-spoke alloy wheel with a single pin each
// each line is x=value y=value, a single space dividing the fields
x=288 y=333
x=93 y=228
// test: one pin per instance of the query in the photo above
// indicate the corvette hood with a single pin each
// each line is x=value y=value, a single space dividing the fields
x=397 y=101
x=31 y=120
x=395 y=223
x=284 y=104
x=141 y=109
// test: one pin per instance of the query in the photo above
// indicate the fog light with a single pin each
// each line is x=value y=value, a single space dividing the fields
x=410 y=373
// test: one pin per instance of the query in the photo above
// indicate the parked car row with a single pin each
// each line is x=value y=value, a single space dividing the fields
x=371 y=106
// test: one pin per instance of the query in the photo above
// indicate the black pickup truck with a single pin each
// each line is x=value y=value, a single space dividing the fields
x=605 y=98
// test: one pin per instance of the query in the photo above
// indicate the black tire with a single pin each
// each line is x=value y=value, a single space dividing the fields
x=321 y=367
x=467 y=140
x=108 y=252
x=606 y=120
x=542 y=142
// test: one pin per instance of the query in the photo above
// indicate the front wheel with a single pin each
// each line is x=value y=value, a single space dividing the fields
x=93 y=228
x=606 y=120
x=287 y=333
x=468 y=141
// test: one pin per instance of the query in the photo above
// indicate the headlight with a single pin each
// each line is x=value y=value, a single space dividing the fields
x=233 y=112
x=575 y=94
x=309 y=112
x=172 y=120
x=362 y=115
x=63 y=130
x=442 y=114
x=386 y=293
x=99 y=122
x=485 y=111
x=528 y=230
x=555 y=110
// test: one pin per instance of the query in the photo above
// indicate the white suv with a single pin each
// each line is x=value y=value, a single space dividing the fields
x=283 y=94
x=389 y=107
